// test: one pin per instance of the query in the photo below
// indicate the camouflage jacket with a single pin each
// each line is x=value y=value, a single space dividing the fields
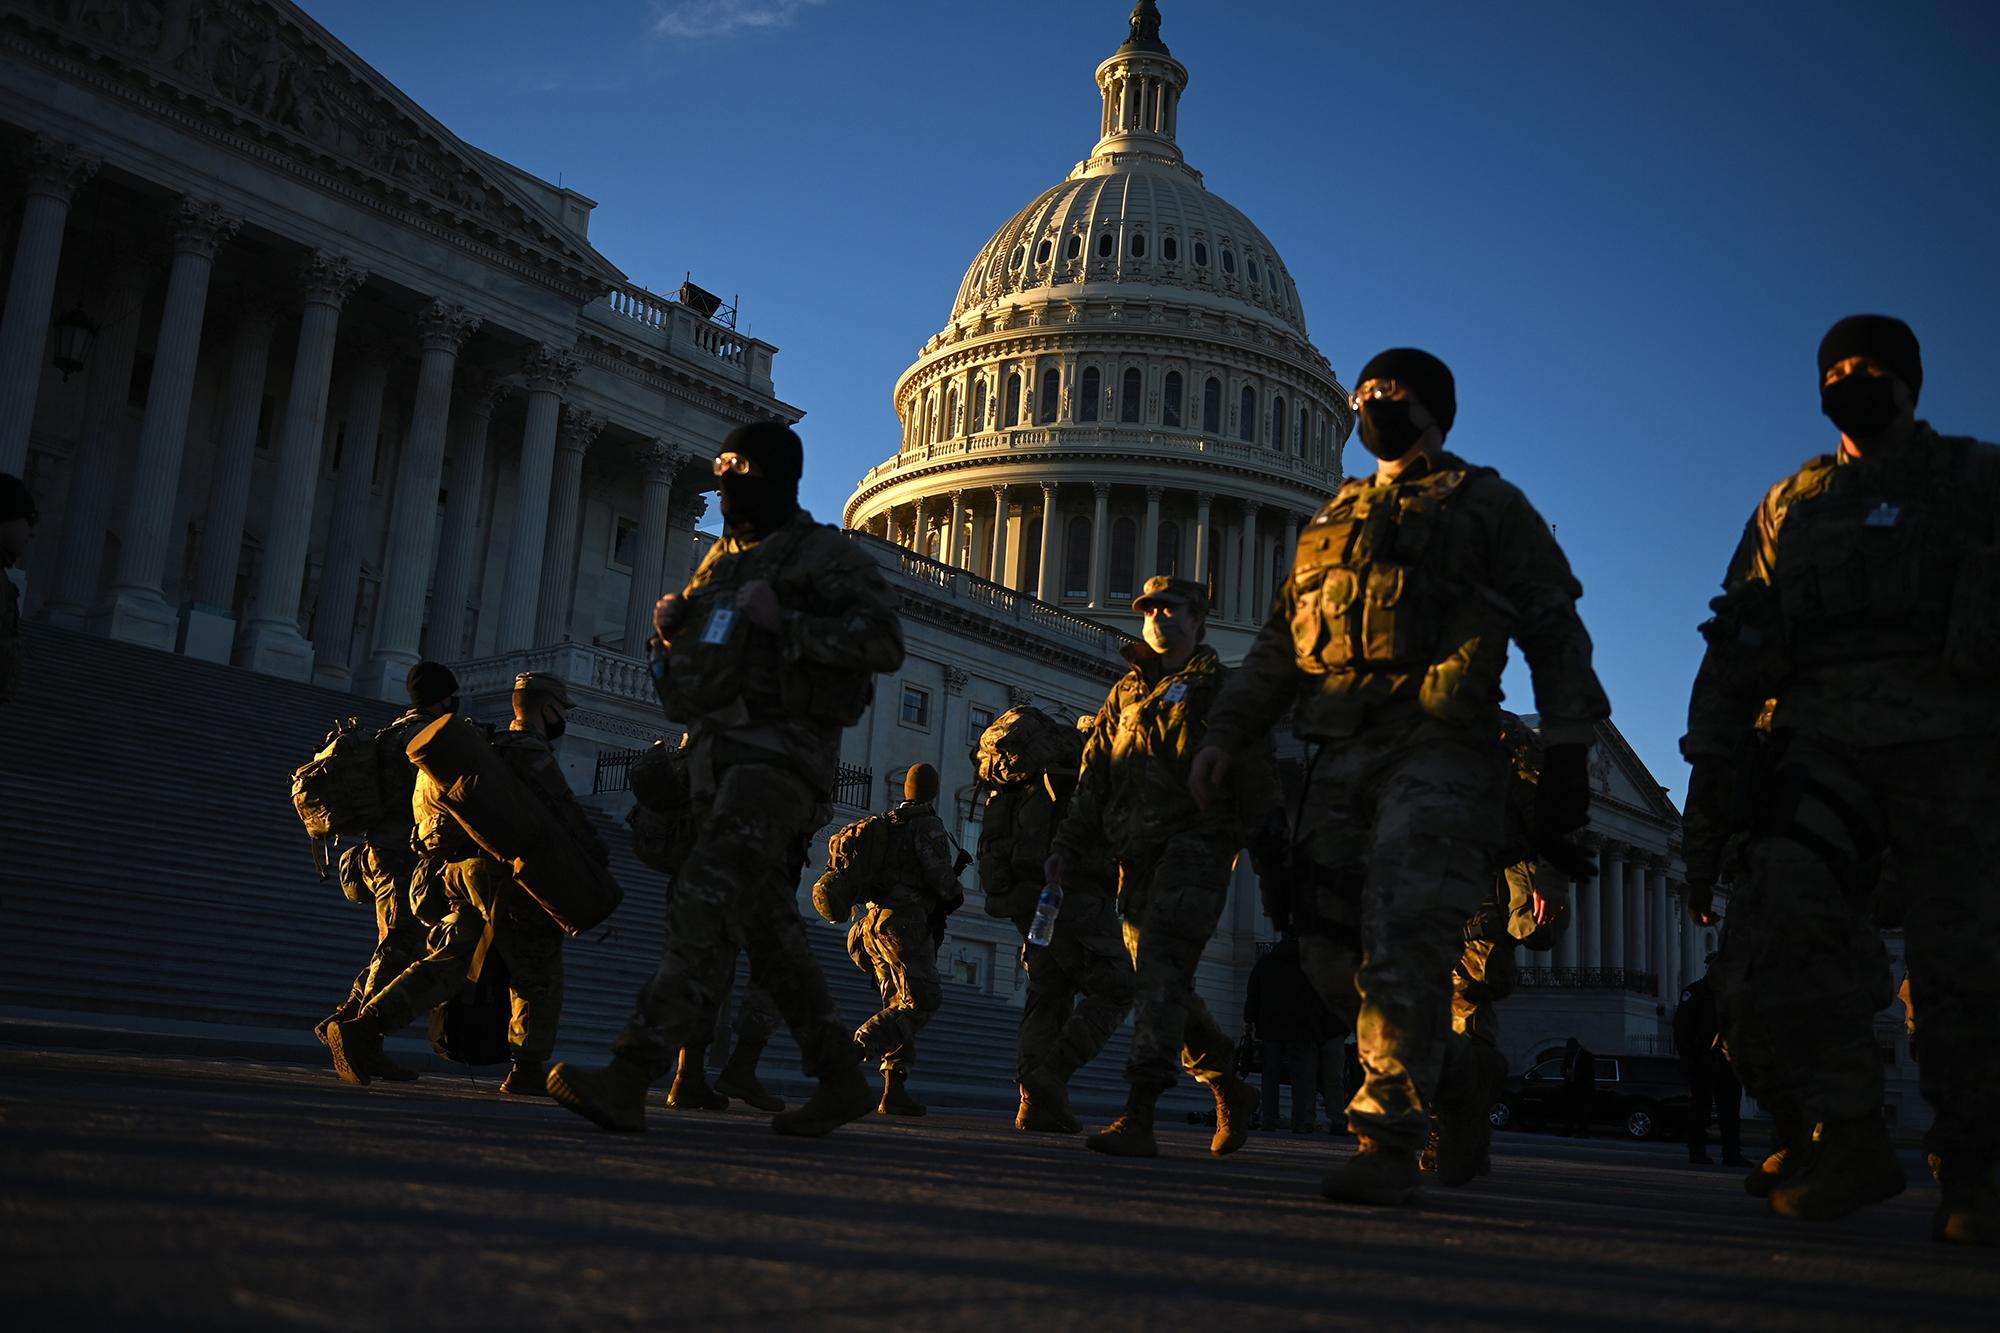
x=1864 y=599
x=917 y=871
x=1133 y=793
x=391 y=837
x=780 y=697
x=530 y=759
x=1401 y=603
x=12 y=649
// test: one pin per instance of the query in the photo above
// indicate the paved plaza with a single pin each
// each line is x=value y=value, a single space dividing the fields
x=151 y=1191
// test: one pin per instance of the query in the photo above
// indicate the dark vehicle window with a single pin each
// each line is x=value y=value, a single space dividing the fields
x=1549 y=1070
x=1607 y=1069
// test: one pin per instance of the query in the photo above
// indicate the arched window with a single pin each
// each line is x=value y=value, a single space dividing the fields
x=1076 y=557
x=978 y=422
x=1031 y=552
x=950 y=413
x=1246 y=425
x=1138 y=245
x=1050 y=397
x=1170 y=400
x=1107 y=245
x=1228 y=260
x=933 y=541
x=1073 y=247
x=1255 y=275
x=1011 y=406
x=1043 y=251
x=1305 y=428
x=1129 y=394
x=930 y=418
x=1167 y=559
x=1170 y=248
x=1278 y=431
x=1087 y=396
x=1124 y=557
x=1211 y=406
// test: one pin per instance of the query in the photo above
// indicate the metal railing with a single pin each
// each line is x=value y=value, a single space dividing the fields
x=1626 y=979
x=1015 y=440
x=650 y=309
x=614 y=771
x=854 y=785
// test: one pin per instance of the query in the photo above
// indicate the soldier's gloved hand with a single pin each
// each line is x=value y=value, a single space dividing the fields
x=759 y=605
x=1705 y=823
x=668 y=613
x=1562 y=803
x=1701 y=899
x=1208 y=776
x=964 y=860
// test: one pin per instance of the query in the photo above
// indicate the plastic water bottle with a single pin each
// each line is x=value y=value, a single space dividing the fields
x=1046 y=908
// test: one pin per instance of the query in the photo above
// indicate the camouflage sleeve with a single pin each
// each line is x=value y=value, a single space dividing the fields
x=1728 y=694
x=1082 y=831
x=934 y=861
x=996 y=844
x=1530 y=571
x=863 y=630
x=1263 y=687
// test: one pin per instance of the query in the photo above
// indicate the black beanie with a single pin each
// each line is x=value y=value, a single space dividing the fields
x=1427 y=378
x=15 y=502
x=1883 y=339
x=920 y=783
x=771 y=445
x=430 y=683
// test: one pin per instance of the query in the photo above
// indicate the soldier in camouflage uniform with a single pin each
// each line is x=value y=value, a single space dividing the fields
x=385 y=860
x=485 y=909
x=768 y=654
x=1864 y=598
x=1080 y=985
x=17 y=530
x=1173 y=860
x=894 y=935
x=1387 y=645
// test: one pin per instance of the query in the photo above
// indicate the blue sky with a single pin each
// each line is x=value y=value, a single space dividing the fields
x=1625 y=226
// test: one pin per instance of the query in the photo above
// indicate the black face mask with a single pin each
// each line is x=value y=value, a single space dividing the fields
x=1862 y=406
x=759 y=503
x=554 y=727
x=1386 y=429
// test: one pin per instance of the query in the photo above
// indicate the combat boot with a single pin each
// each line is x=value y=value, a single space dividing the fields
x=1852 y=1164
x=1045 y=1107
x=1235 y=1111
x=349 y=1007
x=738 y=1079
x=690 y=1090
x=1378 y=1173
x=844 y=1094
x=526 y=1079
x=1968 y=1211
x=896 y=1098
x=356 y=1044
x=1791 y=1136
x=1131 y=1134
x=613 y=1097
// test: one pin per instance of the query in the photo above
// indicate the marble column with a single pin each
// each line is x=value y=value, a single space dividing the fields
x=1662 y=917
x=347 y=533
x=549 y=371
x=1247 y=580
x=1100 y=541
x=999 y=572
x=208 y=619
x=1638 y=915
x=952 y=551
x=1611 y=882
x=658 y=462
x=55 y=171
x=557 y=600
x=919 y=537
x=1693 y=963
x=271 y=641
x=1045 y=576
x=458 y=545
x=442 y=329
x=1203 y=500
x=1589 y=926
x=93 y=471
x=1149 y=537
x=137 y=610
x=1670 y=941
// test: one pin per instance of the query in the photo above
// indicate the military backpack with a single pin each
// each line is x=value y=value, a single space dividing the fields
x=1024 y=743
x=347 y=788
x=857 y=858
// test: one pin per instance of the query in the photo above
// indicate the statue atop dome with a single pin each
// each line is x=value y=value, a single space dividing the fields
x=1145 y=28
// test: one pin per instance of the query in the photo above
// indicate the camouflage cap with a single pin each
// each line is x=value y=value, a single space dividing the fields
x=544 y=682
x=1162 y=589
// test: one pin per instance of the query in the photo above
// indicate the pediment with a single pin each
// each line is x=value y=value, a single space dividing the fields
x=1618 y=775
x=270 y=69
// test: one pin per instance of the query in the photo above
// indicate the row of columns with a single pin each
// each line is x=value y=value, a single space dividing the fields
x=1629 y=918
x=538 y=593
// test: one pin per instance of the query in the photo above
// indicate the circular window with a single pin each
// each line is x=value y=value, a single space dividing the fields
x=1043 y=251
x=1170 y=249
x=1201 y=254
x=1138 y=245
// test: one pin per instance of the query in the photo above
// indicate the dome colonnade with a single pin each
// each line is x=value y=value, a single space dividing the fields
x=1126 y=385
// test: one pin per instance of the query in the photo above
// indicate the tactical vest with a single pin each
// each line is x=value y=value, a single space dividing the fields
x=721 y=663
x=1875 y=562
x=1376 y=593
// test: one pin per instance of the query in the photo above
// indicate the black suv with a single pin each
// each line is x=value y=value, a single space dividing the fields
x=1643 y=1096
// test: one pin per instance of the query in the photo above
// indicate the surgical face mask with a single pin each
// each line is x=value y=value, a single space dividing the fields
x=1861 y=405
x=1386 y=429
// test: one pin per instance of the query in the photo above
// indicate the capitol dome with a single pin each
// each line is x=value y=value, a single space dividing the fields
x=1125 y=387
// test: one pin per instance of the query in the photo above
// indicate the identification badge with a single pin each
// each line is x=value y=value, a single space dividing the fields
x=720 y=622
x=1175 y=692
x=1884 y=515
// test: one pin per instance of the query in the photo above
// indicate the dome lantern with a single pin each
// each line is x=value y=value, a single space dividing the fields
x=1142 y=85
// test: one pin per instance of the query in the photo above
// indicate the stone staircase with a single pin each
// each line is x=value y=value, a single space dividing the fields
x=151 y=867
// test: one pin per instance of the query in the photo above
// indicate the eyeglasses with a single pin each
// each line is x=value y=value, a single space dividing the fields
x=1375 y=391
x=737 y=463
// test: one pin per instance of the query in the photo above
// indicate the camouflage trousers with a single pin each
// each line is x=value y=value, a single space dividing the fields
x=739 y=890
x=1085 y=958
x=757 y=1020
x=896 y=947
x=1803 y=970
x=1171 y=902
x=399 y=933
x=1400 y=831
x=477 y=892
